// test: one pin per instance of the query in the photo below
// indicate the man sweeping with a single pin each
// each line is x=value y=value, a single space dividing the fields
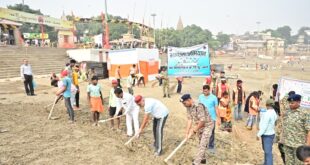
x=127 y=102
x=159 y=112
x=203 y=125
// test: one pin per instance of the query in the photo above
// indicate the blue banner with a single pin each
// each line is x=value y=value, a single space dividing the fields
x=193 y=61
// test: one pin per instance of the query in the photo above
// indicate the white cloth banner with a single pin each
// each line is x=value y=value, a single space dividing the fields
x=301 y=87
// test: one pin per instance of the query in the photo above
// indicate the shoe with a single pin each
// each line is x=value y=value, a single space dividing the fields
x=33 y=95
x=168 y=96
x=165 y=96
x=203 y=161
x=249 y=128
x=28 y=94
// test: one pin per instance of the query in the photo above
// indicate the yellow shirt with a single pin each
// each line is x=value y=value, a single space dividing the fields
x=75 y=77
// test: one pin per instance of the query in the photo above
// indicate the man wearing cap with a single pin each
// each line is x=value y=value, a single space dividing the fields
x=127 y=102
x=159 y=112
x=165 y=79
x=283 y=108
x=112 y=105
x=238 y=97
x=266 y=130
x=66 y=91
x=296 y=131
x=197 y=115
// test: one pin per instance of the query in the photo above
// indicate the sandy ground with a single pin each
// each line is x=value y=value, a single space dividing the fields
x=32 y=139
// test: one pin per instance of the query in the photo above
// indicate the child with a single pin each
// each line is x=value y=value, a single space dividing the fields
x=95 y=100
x=303 y=154
x=65 y=89
x=112 y=105
x=222 y=111
x=253 y=107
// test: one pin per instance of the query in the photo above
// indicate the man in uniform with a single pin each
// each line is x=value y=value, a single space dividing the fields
x=296 y=131
x=165 y=79
x=283 y=109
x=203 y=126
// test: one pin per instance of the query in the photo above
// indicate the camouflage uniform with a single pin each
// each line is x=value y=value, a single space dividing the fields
x=294 y=134
x=283 y=108
x=165 y=80
x=198 y=113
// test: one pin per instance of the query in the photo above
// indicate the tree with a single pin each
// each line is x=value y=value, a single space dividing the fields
x=24 y=8
x=285 y=33
x=223 y=38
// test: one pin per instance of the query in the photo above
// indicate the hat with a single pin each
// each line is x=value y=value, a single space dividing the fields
x=138 y=98
x=294 y=97
x=114 y=81
x=64 y=73
x=270 y=102
x=185 y=97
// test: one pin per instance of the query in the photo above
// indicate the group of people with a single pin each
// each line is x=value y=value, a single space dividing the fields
x=282 y=121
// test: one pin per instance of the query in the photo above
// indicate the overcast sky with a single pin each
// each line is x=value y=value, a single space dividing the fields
x=229 y=16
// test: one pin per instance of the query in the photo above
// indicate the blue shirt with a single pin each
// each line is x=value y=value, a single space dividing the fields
x=267 y=122
x=210 y=102
x=67 y=83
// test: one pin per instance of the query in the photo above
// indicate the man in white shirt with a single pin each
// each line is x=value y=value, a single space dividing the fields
x=160 y=112
x=127 y=102
x=26 y=75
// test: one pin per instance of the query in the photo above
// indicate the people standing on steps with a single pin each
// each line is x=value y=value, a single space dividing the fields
x=27 y=76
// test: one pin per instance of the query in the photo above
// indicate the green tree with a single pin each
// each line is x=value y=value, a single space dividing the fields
x=223 y=38
x=285 y=33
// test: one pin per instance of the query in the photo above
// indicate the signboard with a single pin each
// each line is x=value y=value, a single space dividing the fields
x=191 y=61
x=35 y=35
x=299 y=86
x=19 y=16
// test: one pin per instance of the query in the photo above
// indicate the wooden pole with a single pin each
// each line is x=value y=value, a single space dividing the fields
x=175 y=150
x=49 y=116
x=103 y=121
x=131 y=139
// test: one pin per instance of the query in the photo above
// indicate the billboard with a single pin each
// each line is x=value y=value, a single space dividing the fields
x=191 y=61
x=19 y=16
x=35 y=35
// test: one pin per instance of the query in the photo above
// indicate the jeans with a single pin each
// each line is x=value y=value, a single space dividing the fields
x=212 y=137
x=69 y=108
x=267 y=141
x=251 y=121
x=179 y=89
x=237 y=111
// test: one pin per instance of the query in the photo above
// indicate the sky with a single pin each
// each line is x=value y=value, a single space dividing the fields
x=228 y=16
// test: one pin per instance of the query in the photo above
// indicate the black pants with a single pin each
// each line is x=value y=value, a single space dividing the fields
x=179 y=89
x=160 y=81
x=141 y=79
x=28 y=84
x=119 y=83
x=158 y=127
x=277 y=107
x=77 y=99
x=280 y=146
